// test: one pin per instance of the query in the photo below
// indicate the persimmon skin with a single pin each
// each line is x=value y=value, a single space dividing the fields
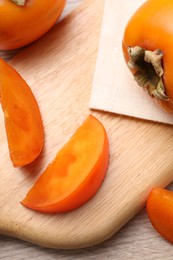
x=160 y=212
x=22 y=117
x=21 y=25
x=75 y=174
x=150 y=27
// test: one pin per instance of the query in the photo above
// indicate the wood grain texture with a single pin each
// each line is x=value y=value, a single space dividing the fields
x=141 y=152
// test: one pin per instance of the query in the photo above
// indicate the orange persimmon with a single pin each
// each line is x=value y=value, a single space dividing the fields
x=22 y=116
x=147 y=47
x=22 y=24
x=75 y=174
x=160 y=211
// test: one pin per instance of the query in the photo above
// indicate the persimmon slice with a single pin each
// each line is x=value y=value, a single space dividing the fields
x=160 y=211
x=22 y=117
x=75 y=174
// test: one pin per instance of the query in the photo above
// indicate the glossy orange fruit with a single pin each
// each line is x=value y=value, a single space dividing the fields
x=21 y=25
x=150 y=28
x=160 y=211
x=22 y=117
x=75 y=174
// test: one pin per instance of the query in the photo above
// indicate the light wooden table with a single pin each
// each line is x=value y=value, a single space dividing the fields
x=136 y=240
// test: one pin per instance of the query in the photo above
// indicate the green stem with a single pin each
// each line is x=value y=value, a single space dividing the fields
x=19 y=2
x=148 y=70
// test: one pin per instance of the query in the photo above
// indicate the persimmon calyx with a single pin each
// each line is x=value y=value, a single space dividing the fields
x=148 y=70
x=19 y=2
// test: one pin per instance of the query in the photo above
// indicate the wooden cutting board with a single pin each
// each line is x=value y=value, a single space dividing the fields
x=60 y=68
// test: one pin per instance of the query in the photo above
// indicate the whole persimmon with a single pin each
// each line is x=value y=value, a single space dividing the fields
x=147 y=47
x=24 y=21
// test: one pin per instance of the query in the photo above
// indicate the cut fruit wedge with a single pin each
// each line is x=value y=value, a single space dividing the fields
x=75 y=174
x=22 y=117
x=160 y=211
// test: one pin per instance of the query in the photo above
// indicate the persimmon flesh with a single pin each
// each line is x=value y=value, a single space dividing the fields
x=160 y=211
x=75 y=174
x=22 y=116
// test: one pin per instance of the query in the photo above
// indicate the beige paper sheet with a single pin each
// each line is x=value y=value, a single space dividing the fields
x=114 y=89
